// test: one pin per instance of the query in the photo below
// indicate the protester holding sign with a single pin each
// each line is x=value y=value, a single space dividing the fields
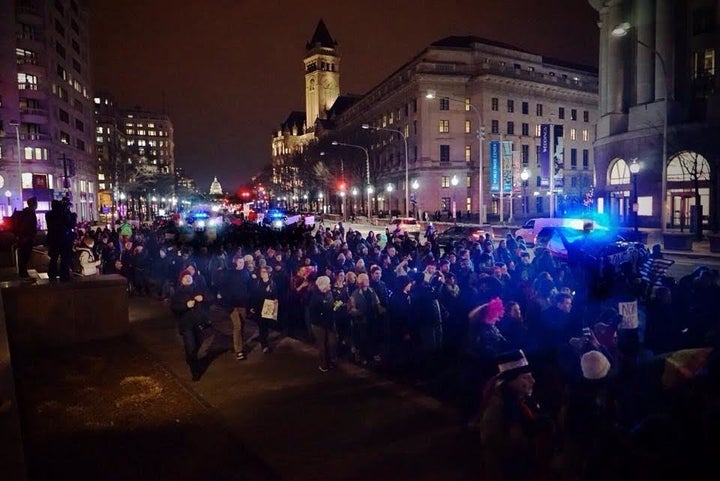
x=265 y=305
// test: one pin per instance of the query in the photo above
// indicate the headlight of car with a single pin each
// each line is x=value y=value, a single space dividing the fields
x=277 y=223
x=200 y=224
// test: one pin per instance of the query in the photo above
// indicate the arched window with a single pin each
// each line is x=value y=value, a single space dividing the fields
x=619 y=173
x=686 y=166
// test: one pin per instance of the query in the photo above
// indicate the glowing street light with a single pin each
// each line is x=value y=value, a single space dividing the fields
x=524 y=176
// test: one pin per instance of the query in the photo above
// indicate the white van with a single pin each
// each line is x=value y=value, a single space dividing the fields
x=531 y=228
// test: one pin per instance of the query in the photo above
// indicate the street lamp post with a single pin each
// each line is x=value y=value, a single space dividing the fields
x=620 y=31
x=415 y=186
x=634 y=170
x=407 y=189
x=389 y=188
x=524 y=176
x=480 y=136
x=8 y=194
x=16 y=124
x=354 y=193
x=367 y=172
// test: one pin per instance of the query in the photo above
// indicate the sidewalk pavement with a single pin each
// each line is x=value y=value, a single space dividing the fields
x=348 y=424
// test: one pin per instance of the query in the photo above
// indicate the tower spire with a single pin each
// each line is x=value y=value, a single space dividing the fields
x=321 y=37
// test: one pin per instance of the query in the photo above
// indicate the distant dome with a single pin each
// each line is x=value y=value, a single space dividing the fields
x=215 y=188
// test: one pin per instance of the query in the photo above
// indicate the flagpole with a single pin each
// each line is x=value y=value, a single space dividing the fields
x=552 y=170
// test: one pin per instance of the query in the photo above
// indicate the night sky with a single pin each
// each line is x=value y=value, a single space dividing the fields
x=228 y=72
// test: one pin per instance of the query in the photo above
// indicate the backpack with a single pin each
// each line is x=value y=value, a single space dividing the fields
x=75 y=265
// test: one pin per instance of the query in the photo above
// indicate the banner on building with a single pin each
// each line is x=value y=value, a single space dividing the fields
x=496 y=175
x=507 y=166
x=544 y=155
x=494 y=166
x=558 y=157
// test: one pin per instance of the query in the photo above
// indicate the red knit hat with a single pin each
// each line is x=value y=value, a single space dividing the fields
x=184 y=273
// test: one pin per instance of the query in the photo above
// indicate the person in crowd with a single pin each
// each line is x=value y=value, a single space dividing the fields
x=188 y=304
x=427 y=314
x=125 y=231
x=485 y=341
x=512 y=326
x=321 y=308
x=60 y=238
x=264 y=291
x=378 y=332
x=590 y=422
x=515 y=434
x=26 y=231
x=364 y=310
x=86 y=258
x=235 y=294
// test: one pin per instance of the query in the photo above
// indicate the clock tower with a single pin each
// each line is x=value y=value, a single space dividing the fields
x=322 y=75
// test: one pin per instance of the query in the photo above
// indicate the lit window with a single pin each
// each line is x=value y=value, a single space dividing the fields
x=468 y=181
x=468 y=126
x=585 y=135
x=444 y=126
x=468 y=153
x=573 y=134
x=445 y=181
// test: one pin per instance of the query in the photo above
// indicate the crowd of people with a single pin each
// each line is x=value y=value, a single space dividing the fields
x=560 y=364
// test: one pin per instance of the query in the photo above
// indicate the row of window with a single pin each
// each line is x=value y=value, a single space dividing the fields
x=525 y=109
x=444 y=128
x=524 y=155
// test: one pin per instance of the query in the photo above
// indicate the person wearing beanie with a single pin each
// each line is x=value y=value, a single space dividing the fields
x=594 y=365
x=515 y=434
x=590 y=420
x=321 y=314
x=188 y=305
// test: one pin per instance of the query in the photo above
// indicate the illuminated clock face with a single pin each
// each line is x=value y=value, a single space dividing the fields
x=2 y=181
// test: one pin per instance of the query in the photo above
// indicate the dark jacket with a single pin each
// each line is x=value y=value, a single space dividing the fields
x=321 y=309
x=235 y=288
x=262 y=291
x=188 y=317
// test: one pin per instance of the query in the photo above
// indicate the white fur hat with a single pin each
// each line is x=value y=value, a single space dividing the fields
x=594 y=365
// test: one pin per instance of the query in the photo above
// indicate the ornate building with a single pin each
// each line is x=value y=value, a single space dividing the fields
x=492 y=108
x=660 y=109
x=215 y=187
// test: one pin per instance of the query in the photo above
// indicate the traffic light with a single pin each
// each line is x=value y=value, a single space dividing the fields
x=341 y=186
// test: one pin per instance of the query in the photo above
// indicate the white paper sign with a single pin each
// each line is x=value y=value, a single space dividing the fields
x=269 y=309
x=629 y=313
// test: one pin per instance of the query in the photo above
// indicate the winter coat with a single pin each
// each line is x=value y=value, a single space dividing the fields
x=188 y=317
x=321 y=309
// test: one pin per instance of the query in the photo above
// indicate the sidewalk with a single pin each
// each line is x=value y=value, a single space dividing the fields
x=347 y=424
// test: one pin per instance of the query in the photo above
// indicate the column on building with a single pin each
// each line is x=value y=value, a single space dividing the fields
x=645 y=58
x=615 y=68
x=664 y=44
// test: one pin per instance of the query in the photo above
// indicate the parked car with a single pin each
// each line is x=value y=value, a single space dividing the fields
x=530 y=230
x=459 y=233
x=407 y=225
x=598 y=243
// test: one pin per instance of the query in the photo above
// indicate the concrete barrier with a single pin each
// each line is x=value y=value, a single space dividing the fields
x=66 y=313
x=12 y=458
